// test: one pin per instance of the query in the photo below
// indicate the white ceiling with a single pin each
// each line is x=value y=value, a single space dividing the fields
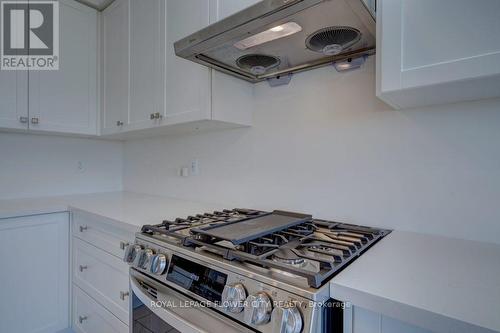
x=97 y=4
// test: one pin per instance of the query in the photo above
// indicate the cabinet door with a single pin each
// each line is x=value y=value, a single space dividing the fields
x=65 y=100
x=90 y=317
x=116 y=66
x=101 y=234
x=435 y=52
x=14 y=98
x=366 y=321
x=187 y=84
x=103 y=276
x=35 y=273
x=147 y=35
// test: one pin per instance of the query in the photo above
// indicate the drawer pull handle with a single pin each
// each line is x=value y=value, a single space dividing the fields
x=123 y=245
x=83 y=228
x=81 y=319
x=83 y=267
x=123 y=294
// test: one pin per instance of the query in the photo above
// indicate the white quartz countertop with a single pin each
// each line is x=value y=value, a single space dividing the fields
x=437 y=283
x=133 y=209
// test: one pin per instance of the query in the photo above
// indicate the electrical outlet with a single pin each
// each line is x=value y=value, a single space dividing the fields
x=195 y=167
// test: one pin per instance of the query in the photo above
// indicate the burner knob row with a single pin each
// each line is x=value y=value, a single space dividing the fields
x=258 y=309
x=145 y=259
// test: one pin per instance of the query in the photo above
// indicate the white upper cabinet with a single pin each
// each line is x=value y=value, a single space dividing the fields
x=115 y=57
x=65 y=100
x=147 y=42
x=195 y=92
x=435 y=52
x=143 y=75
x=187 y=93
x=14 y=99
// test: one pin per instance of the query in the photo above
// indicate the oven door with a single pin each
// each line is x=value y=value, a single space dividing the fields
x=157 y=308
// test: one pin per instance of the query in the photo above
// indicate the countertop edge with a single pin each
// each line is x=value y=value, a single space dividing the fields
x=106 y=219
x=60 y=208
x=428 y=320
x=67 y=208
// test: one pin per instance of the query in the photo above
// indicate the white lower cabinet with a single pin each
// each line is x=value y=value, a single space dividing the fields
x=103 y=235
x=100 y=277
x=90 y=317
x=34 y=252
x=366 y=321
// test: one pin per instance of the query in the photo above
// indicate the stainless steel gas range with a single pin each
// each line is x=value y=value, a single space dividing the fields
x=241 y=270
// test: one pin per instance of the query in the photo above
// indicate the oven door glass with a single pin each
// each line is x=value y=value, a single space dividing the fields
x=145 y=321
x=158 y=308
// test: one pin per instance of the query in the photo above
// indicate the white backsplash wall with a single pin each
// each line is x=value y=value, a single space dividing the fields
x=326 y=145
x=36 y=165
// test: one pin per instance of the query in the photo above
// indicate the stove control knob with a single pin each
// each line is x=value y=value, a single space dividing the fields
x=233 y=297
x=131 y=253
x=258 y=309
x=286 y=319
x=158 y=264
x=145 y=257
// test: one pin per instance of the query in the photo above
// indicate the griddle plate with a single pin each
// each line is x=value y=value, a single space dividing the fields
x=246 y=230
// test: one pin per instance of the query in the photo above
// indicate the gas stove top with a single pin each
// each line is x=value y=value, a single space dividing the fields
x=288 y=243
x=264 y=271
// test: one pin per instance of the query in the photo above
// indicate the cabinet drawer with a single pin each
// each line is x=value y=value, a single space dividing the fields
x=103 y=276
x=101 y=234
x=90 y=317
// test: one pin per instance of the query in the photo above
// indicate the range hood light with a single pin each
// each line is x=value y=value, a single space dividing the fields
x=268 y=35
x=349 y=64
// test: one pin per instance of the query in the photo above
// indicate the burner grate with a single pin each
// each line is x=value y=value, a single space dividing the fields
x=305 y=247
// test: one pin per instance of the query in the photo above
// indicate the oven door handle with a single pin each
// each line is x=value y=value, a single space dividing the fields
x=185 y=319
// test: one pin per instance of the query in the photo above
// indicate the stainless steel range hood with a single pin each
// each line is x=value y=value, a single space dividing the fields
x=274 y=38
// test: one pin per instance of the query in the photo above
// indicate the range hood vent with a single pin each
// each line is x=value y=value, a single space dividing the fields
x=333 y=40
x=257 y=63
x=275 y=38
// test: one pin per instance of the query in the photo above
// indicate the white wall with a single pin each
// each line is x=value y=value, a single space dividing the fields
x=36 y=165
x=327 y=146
